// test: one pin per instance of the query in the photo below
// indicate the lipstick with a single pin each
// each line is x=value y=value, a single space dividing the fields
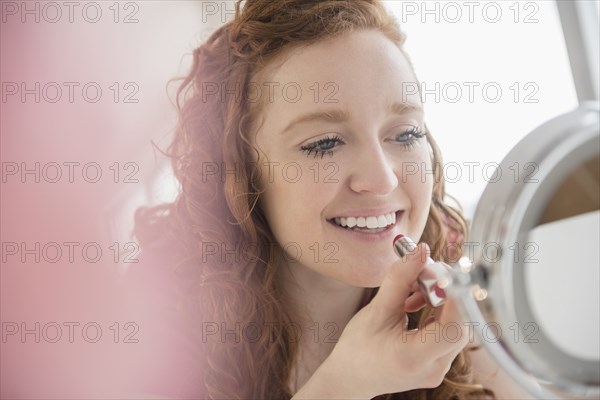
x=434 y=279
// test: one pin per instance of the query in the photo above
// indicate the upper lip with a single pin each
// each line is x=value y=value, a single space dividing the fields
x=367 y=212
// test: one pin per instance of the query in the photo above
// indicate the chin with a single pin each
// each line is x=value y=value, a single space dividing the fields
x=369 y=274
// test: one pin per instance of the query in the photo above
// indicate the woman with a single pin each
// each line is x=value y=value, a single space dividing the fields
x=300 y=158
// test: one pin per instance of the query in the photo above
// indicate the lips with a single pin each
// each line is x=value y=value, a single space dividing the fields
x=369 y=221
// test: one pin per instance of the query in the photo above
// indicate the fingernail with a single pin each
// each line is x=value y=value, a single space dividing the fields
x=439 y=292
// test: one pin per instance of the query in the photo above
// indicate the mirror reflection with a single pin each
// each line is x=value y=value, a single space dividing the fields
x=562 y=269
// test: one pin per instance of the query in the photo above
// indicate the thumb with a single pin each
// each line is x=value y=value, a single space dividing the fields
x=396 y=285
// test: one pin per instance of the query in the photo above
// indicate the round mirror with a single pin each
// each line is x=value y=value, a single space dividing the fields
x=530 y=282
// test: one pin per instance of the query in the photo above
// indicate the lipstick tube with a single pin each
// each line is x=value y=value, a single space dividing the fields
x=434 y=279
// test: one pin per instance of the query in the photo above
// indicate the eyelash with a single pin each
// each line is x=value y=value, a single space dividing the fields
x=414 y=133
x=313 y=147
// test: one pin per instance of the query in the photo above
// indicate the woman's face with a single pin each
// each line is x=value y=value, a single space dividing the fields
x=341 y=132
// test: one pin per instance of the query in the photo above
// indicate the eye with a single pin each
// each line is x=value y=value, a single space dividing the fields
x=408 y=139
x=322 y=146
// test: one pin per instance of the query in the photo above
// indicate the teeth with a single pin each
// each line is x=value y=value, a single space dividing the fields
x=390 y=218
x=371 y=222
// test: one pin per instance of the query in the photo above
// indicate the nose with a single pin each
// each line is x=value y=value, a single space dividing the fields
x=373 y=171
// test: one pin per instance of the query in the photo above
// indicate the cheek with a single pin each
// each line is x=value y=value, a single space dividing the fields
x=426 y=177
x=291 y=202
x=419 y=188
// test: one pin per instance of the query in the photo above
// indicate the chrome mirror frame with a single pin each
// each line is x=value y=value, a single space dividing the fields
x=492 y=288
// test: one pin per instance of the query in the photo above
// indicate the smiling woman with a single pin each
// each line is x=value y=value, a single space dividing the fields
x=369 y=140
x=291 y=285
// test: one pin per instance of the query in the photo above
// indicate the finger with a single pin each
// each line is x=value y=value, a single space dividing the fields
x=451 y=312
x=397 y=284
x=435 y=341
x=415 y=287
x=445 y=362
x=444 y=333
x=455 y=351
x=415 y=302
x=426 y=274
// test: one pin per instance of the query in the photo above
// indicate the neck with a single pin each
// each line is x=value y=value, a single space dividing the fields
x=321 y=306
x=317 y=302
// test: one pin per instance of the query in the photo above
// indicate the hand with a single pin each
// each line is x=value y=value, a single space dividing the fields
x=376 y=354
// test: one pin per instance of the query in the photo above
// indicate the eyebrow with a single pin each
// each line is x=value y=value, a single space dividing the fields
x=327 y=116
x=401 y=108
x=337 y=115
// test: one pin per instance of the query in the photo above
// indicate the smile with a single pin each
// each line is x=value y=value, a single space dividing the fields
x=372 y=223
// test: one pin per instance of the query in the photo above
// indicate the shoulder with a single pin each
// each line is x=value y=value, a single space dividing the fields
x=489 y=374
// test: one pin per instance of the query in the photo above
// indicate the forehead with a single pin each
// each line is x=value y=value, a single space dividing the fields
x=361 y=72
